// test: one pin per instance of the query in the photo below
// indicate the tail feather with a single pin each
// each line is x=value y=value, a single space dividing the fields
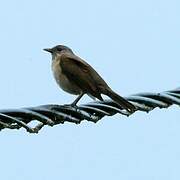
x=120 y=100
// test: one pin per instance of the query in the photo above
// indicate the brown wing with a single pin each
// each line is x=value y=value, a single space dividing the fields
x=82 y=74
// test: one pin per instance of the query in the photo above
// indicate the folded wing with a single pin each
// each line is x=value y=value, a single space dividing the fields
x=81 y=73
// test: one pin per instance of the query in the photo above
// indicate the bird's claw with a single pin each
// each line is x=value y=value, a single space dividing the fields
x=70 y=106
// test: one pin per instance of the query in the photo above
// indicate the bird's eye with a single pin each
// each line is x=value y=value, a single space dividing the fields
x=59 y=49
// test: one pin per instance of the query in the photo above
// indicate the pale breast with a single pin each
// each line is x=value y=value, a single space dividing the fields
x=62 y=80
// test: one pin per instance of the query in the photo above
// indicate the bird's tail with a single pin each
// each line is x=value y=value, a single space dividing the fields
x=120 y=100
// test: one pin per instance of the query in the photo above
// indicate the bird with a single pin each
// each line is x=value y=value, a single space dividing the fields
x=75 y=76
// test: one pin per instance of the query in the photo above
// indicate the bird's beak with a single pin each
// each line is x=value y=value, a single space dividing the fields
x=48 y=50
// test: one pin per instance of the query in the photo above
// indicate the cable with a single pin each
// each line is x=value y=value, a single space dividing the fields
x=94 y=111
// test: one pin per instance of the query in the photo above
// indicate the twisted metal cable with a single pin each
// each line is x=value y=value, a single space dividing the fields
x=58 y=114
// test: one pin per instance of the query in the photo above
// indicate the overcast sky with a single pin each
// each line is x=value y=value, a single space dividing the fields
x=134 y=45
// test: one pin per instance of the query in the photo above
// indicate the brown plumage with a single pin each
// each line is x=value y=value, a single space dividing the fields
x=76 y=76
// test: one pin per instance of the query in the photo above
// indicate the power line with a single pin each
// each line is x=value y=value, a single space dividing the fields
x=94 y=111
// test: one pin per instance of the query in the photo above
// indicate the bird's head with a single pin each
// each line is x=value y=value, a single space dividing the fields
x=58 y=49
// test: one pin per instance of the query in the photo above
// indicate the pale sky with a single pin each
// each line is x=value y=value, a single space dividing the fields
x=134 y=45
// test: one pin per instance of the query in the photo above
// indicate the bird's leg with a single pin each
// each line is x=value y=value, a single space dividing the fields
x=77 y=99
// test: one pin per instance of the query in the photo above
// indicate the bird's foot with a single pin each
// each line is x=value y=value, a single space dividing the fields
x=73 y=105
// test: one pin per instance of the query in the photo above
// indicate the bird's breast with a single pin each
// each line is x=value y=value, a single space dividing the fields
x=62 y=79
